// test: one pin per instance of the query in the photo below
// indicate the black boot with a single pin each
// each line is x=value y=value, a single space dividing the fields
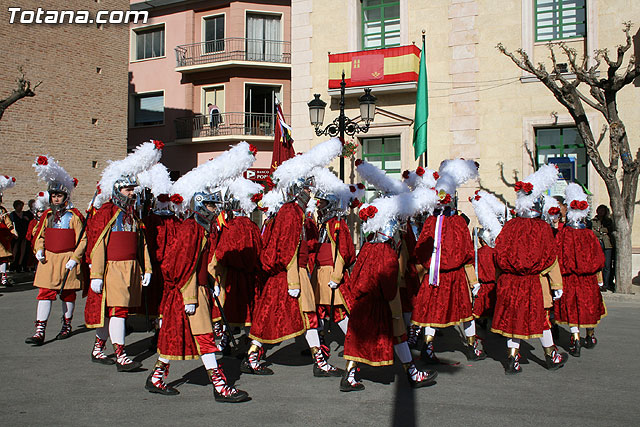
x=65 y=332
x=590 y=340
x=427 y=354
x=37 y=339
x=124 y=364
x=155 y=381
x=321 y=367
x=513 y=362
x=418 y=378
x=574 y=344
x=349 y=381
x=222 y=392
x=555 y=360
x=474 y=352
x=251 y=363
x=98 y=355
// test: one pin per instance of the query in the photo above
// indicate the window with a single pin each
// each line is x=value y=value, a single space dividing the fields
x=380 y=24
x=264 y=42
x=560 y=19
x=214 y=34
x=148 y=109
x=564 y=147
x=259 y=107
x=150 y=43
x=383 y=152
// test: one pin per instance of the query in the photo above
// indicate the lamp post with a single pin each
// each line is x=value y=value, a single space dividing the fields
x=342 y=124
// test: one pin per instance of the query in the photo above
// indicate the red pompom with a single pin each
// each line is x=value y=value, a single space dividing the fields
x=446 y=200
x=263 y=209
x=405 y=175
x=6 y=176
x=361 y=186
x=436 y=176
x=256 y=197
x=352 y=188
x=420 y=171
x=253 y=149
x=363 y=215
x=99 y=189
x=176 y=199
x=528 y=187
x=372 y=211
x=554 y=211
x=159 y=144
x=41 y=194
x=470 y=199
x=13 y=179
x=476 y=192
x=164 y=198
x=358 y=162
x=512 y=212
x=356 y=203
x=582 y=205
x=75 y=182
x=268 y=183
x=42 y=160
x=477 y=197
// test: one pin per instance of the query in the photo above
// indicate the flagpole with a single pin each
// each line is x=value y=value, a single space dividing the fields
x=424 y=47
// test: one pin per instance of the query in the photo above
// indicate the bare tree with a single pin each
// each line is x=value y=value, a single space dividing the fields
x=23 y=90
x=602 y=97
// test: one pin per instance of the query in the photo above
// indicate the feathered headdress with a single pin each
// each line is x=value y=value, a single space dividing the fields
x=531 y=189
x=41 y=203
x=451 y=175
x=328 y=184
x=212 y=174
x=577 y=204
x=247 y=192
x=156 y=179
x=300 y=166
x=550 y=209
x=142 y=158
x=6 y=182
x=54 y=175
x=490 y=213
x=379 y=178
x=421 y=177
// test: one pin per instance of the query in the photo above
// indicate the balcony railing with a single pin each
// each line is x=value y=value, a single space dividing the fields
x=233 y=49
x=225 y=124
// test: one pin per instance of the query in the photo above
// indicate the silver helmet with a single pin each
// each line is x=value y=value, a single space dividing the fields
x=117 y=197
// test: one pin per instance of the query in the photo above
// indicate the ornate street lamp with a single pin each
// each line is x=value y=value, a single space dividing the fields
x=342 y=124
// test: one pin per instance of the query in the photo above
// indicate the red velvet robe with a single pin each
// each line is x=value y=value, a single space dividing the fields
x=277 y=316
x=409 y=292
x=581 y=257
x=486 y=300
x=373 y=283
x=450 y=302
x=238 y=250
x=175 y=340
x=524 y=249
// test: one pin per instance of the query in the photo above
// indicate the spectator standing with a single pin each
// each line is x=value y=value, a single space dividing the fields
x=602 y=226
x=21 y=246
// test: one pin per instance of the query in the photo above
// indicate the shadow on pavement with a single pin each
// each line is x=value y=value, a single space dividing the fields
x=404 y=402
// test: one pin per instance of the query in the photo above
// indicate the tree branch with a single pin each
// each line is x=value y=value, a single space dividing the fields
x=603 y=132
x=24 y=90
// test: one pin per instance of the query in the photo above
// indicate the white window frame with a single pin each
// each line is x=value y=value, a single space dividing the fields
x=132 y=109
x=134 y=41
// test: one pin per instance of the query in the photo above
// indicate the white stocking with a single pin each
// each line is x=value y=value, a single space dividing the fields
x=575 y=330
x=403 y=352
x=513 y=343
x=163 y=360
x=3 y=267
x=343 y=324
x=469 y=328
x=209 y=361
x=44 y=309
x=547 y=338
x=67 y=309
x=116 y=330
x=313 y=339
x=256 y=343
x=429 y=331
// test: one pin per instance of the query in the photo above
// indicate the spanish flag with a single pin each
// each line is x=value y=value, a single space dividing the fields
x=375 y=67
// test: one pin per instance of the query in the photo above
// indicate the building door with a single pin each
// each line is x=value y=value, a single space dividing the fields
x=260 y=109
x=214 y=34
x=264 y=39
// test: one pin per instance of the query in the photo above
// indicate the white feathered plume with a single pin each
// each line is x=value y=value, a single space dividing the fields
x=328 y=183
x=50 y=171
x=143 y=157
x=301 y=165
x=244 y=190
x=6 y=182
x=156 y=179
x=212 y=174
x=488 y=210
x=550 y=209
x=452 y=174
x=421 y=177
x=379 y=178
x=531 y=188
x=577 y=204
x=41 y=203
x=272 y=201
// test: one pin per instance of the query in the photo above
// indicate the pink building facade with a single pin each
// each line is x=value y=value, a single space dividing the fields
x=205 y=75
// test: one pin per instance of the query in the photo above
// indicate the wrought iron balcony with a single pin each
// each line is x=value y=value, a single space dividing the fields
x=233 y=49
x=225 y=124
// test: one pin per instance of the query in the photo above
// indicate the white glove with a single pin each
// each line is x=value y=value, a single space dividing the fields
x=333 y=285
x=190 y=308
x=40 y=256
x=96 y=285
x=216 y=290
x=475 y=290
x=71 y=264
x=295 y=293
x=146 y=279
x=557 y=294
x=600 y=285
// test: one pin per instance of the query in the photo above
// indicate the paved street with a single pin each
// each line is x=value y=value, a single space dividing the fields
x=57 y=384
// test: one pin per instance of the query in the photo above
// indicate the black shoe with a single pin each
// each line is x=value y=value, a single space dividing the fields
x=513 y=366
x=129 y=367
x=237 y=397
x=561 y=359
x=574 y=347
x=427 y=355
x=427 y=381
x=35 y=340
x=474 y=353
x=152 y=388
x=590 y=341
x=335 y=372
x=246 y=368
x=103 y=361
x=347 y=386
